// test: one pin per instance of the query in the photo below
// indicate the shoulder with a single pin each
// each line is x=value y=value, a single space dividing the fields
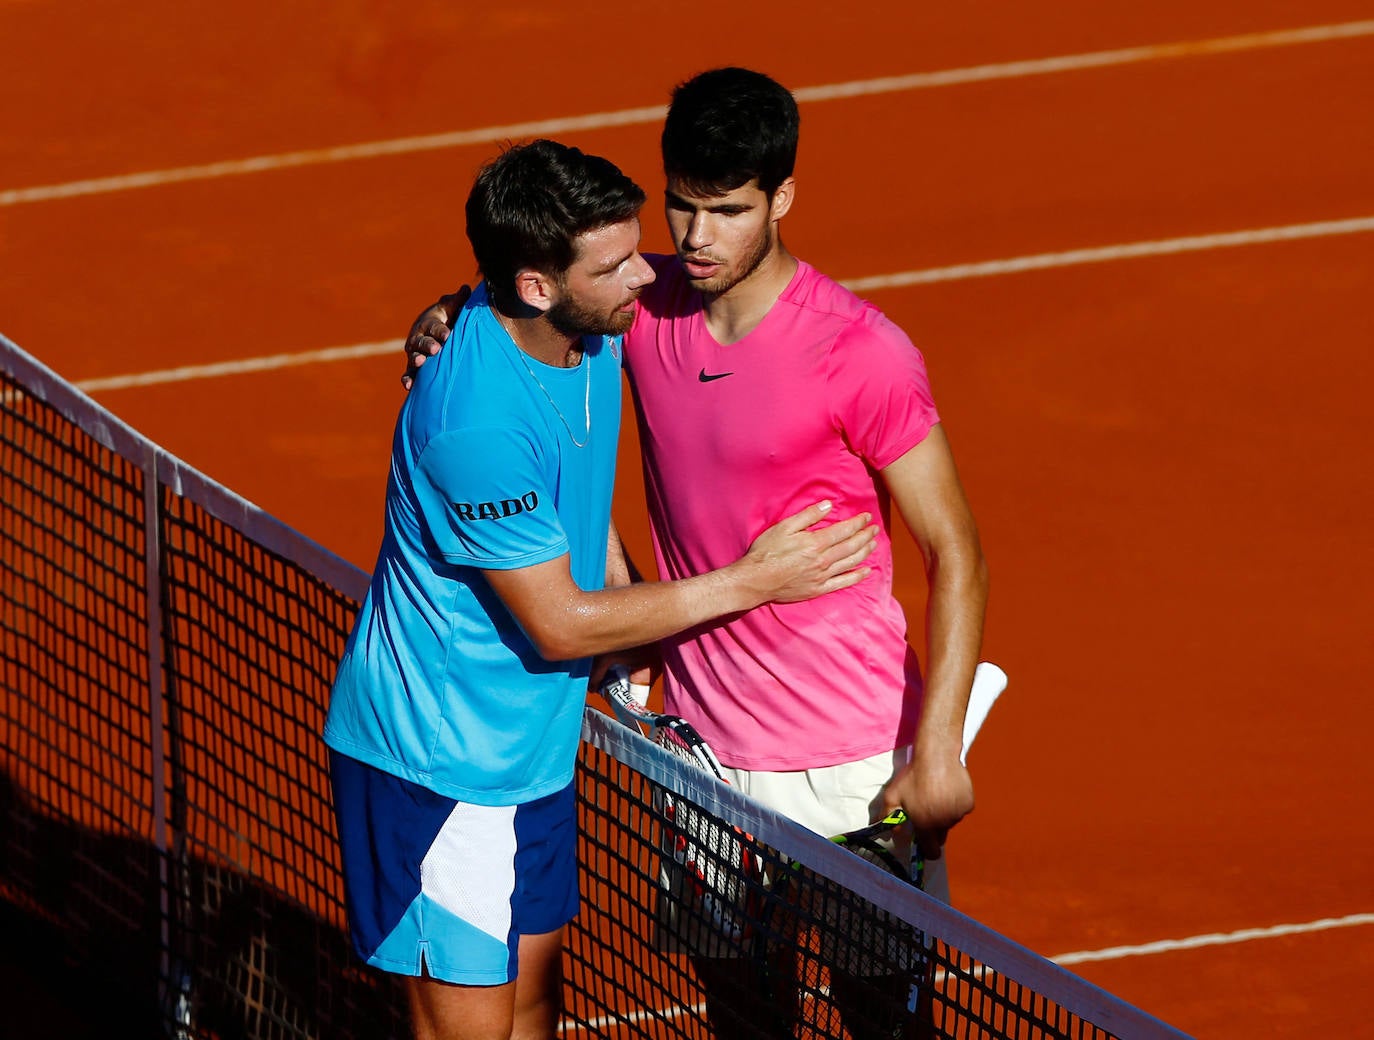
x=475 y=326
x=476 y=453
x=469 y=384
x=472 y=345
x=853 y=322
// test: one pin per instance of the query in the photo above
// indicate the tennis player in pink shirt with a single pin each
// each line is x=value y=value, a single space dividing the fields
x=818 y=395
x=761 y=385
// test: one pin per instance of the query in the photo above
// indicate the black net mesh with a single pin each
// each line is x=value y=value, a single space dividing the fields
x=815 y=941
x=166 y=834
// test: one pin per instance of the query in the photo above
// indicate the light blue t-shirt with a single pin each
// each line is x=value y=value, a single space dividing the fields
x=438 y=683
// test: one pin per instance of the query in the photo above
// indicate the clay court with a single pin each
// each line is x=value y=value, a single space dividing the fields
x=1135 y=244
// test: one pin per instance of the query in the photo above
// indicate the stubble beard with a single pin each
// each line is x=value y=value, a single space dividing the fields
x=753 y=260
x=571 y=318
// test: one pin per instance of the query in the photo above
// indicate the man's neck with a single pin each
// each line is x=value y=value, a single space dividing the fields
x=733 y=314
x=541 y=341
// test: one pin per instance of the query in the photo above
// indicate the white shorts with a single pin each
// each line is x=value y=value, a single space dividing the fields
x=830 y=800
x=835 y=799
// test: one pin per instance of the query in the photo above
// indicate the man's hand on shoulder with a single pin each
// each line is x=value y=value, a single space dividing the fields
x=430 y=330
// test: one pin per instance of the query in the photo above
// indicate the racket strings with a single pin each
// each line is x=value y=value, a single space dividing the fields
x=716 y=857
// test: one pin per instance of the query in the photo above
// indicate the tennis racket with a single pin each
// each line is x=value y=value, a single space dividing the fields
x=988 y=683
x=628 y=701
x=716 y=859
x=888 y=977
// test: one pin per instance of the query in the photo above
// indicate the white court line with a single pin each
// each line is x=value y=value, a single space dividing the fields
x=186 y=373
x=653 y=113
x=1244 y=935
x=1105 y=254
x=1215 y=939
x=957 y=272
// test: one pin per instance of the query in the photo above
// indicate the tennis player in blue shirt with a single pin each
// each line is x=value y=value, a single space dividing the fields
x=455 y=714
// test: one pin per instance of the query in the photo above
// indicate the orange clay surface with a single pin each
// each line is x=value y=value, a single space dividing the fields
x=1169 y=456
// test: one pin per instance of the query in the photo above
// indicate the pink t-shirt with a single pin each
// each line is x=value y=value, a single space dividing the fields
x=808 y=406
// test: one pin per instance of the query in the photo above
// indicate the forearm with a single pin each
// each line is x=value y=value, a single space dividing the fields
x=583 y=624
x=935 y=789
x=618 y=568
x=788 y=562
x=925 y=486
x=955 y=611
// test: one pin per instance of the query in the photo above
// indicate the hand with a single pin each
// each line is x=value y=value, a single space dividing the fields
x=641 y=662
x=796 y=563
x=430 y=330
x=936 y=793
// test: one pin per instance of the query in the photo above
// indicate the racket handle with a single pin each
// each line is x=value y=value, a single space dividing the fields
x=624 y=696
x=619 y=676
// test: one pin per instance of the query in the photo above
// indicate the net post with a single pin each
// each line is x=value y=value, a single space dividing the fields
x=170 y=996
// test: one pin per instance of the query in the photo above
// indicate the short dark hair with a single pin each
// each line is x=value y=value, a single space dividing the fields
x=727 y=127
x=529 y=204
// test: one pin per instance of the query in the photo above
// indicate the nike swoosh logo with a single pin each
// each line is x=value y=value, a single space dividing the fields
x=703 y=377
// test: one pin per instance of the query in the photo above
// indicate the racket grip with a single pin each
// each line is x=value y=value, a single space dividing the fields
x=618 y=674
x=621 y=693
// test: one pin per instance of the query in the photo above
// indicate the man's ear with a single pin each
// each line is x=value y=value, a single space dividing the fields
x=535 y=289
x=782 y=199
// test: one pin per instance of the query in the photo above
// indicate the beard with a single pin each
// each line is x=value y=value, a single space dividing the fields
x=758 y=251
x=572 y=318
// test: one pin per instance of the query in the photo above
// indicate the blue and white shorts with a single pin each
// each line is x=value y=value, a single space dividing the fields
x=446 y=888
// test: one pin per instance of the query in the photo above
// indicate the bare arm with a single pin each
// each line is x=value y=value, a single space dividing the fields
x=935 y=790
x=786 y=563
x=642 y=662
x=620 y=569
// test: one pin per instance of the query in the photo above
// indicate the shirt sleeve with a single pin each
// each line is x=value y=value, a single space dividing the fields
x=486 y=500
x=880 y=390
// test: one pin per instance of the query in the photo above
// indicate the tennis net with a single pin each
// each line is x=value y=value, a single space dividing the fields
x=166 y=651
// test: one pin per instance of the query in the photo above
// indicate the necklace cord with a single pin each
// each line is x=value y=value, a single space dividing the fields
x=586 y=398
x=586 y=393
